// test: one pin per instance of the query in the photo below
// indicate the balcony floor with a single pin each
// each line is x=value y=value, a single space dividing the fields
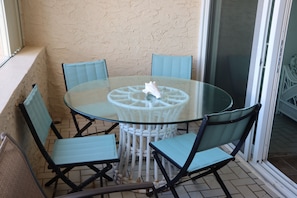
x=240 y=181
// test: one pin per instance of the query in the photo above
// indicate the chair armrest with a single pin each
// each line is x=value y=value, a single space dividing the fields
x=109 y=189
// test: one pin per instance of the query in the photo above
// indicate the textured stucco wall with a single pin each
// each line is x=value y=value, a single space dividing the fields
x=23 y=70
x=125 y=33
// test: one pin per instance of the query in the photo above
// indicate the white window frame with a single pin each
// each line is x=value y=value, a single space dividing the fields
x=10 y=29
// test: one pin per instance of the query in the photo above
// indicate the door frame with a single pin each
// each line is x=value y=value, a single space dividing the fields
x=268 y=98
x=272 y=66
x=202 y=39
x=256 y=69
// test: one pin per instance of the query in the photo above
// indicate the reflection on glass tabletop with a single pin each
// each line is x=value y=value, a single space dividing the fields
x=114 y=98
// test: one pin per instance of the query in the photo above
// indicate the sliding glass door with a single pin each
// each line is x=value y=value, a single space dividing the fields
x=229 y=47
x=230 y=44
x=244 y=52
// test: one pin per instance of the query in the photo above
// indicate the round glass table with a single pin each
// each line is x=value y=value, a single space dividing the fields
x=144 y=118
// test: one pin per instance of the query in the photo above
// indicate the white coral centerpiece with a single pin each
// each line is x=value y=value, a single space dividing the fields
x=151 y=88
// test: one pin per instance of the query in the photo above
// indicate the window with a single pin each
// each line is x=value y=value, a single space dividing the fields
x=10 y=29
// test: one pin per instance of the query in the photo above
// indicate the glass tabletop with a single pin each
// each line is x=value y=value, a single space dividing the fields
x=121 y=99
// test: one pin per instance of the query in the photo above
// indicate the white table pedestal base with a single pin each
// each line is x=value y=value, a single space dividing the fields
x=135 y=152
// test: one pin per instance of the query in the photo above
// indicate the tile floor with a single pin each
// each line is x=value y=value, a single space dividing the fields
x=240 y=181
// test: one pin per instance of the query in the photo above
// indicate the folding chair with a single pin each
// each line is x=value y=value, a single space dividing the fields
x=197 y=155
x=77 y=73
x=69 y=152
x=18 y=180
x=172 y=66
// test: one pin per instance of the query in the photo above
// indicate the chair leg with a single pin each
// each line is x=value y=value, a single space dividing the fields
x=222 y=184
x=73 y=186
x=51 y=181
x=80 y=131
x=103 y=173
x=169 y=182
x=61 y=175
x=185 y=129
x=151 y=193
x=218 y=178
x=104 y=131
x=75 y=121
x=111 y=128
x=100 y=174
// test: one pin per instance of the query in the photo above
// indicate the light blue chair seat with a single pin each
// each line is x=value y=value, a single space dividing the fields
x=87 y=149
x=180 y=154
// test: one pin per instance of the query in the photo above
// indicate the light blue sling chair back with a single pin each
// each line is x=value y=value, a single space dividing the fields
x=81 y=72
x=172 y=66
